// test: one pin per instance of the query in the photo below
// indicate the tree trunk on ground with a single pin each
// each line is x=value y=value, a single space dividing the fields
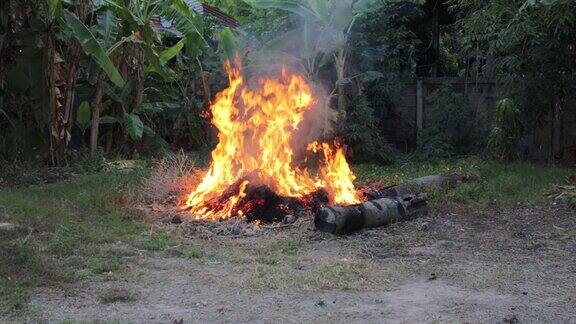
x=415 y=186
x=373 y=213
x=96 y=109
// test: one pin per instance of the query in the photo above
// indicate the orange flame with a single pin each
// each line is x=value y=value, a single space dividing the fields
x=255 y=129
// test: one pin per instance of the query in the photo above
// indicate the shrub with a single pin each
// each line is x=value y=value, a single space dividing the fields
x=362 y=132
x=454 y=126
x=507 y=130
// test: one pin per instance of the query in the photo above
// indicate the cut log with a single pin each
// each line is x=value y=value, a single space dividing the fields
x=415 y=186
x=373 y=213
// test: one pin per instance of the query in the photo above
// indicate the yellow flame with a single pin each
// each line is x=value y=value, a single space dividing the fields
x=255 y=129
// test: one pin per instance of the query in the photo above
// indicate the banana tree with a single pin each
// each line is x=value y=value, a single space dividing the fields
x=124 y=32
x=140 y=46
x=49 y=17
x=131 y=121
x=73 y=56
x=96 y=45
x=323 y=35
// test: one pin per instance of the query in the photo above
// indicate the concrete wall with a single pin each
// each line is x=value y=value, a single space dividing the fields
x=413 y=106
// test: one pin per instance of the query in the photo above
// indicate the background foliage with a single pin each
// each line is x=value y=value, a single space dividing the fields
x=96 y=76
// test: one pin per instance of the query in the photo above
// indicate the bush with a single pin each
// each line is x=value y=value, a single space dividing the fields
x=362 y=132
x=507 y=130
x=454 y=126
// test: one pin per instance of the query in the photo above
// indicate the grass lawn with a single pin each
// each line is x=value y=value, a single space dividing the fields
x=485 y=181
x=65 y=229
x=72 y=229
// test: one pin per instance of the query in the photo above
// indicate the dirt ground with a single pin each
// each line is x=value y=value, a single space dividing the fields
x=511 y=265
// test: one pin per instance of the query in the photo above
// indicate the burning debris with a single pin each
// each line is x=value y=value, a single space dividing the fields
x=252 y=173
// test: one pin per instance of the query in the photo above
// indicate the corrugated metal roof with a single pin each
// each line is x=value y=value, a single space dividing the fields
x=224 y=18
x=195 y=5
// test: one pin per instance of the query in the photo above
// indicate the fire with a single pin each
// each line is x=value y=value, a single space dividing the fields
x=336 y=176
x=255 y=130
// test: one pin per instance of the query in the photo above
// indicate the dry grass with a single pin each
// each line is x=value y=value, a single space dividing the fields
x=116 y=296
x=171 y=178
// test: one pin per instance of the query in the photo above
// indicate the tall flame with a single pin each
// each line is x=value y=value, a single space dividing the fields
x=255 y=130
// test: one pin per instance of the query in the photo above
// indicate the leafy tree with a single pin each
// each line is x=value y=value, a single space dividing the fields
x=103 y=44
x=528 y=45
x=385 y=52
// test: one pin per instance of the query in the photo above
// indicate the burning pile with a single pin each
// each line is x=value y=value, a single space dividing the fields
x=252 y=170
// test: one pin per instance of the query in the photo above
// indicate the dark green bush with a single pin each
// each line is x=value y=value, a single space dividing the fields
x=454 y=126
x=362 y=132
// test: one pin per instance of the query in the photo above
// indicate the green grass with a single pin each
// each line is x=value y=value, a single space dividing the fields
x=512 y=183
x=289 y=245
x=102 y=264
x=78 y=222
x=274 y=253
x=72 y=222
x=159 y=242
x=192 y=251
x=484 y=181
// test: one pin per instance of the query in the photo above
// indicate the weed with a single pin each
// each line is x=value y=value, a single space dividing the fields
x=340 y=274
x=485 y=181
x=391 y=243
x=62 y=240
x=171 y=177
x=159 y=242
x=11 y=297
x=192 y=251
x=289 y=245
x=20 y=267
x=70 y=218
x=102 y=265
x=267 y=260
x=74 y=218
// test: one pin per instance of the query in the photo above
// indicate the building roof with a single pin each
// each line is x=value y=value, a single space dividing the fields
x=195 y=5
x=225 y=19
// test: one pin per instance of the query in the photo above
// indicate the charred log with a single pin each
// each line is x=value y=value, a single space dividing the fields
x=373 y=213
x=263 y=204
x=260 y=203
